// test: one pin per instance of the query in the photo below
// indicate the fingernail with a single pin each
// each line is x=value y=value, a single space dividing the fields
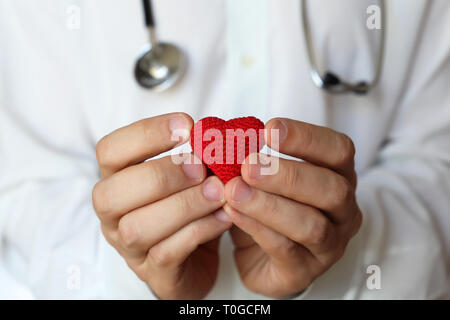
x=179 y=127
x=213 y=189
x=192 y=170
x=241 y=191
x=281 y=126
x=222 y=215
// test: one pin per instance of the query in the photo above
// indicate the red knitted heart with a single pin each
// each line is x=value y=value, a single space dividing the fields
x=223 y=145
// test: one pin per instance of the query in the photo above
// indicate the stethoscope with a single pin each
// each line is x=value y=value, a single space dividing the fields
x=163 y=64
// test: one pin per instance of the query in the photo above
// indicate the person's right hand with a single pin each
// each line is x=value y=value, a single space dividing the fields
x=157 y=214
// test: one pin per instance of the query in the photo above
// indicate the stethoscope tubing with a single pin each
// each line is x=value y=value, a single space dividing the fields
x=341 y=86
x=328 y=82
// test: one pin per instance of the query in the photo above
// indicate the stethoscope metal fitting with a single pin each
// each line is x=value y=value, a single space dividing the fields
x=163 y=64
x=330 y=81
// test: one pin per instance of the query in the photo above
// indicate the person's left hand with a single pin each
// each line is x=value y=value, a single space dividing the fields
x=290 y=227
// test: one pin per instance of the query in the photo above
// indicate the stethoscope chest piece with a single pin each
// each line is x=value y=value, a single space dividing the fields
x=160 y=66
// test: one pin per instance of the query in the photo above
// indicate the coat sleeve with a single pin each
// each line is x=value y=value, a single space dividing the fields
x=405 y=196
x=49 y=232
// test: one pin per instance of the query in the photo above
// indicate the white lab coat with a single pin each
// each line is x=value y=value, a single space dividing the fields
x=62 y=89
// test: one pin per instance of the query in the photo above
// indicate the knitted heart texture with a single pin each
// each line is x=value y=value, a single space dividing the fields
x=223 y=145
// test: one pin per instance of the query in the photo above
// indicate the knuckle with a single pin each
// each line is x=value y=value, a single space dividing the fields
x=128 y=232
x=146 y=129
x=160 y=257
x=357 y=223
x=101 y=199
x=338 y=253
x=269 y=204
x=103 y=152
x=317 y=233
x=109 y=235
x=341 y=250
x=307 y=137
x=292 y=175
x=341 y=193
x=187 y=201
x=347 y=150
x=195 y=233
x=158 y=176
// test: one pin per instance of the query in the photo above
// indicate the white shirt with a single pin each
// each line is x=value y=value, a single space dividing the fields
x=63 y=88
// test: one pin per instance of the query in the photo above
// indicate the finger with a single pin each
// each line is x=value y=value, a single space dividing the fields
x=276 y=245
x=316 y=186
x=144 y=227
x=286 y=262
x=241 y=239
x=319 y=145
x=300 y=223
x=174 y=250
x=141 y=140
x=141 y=184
